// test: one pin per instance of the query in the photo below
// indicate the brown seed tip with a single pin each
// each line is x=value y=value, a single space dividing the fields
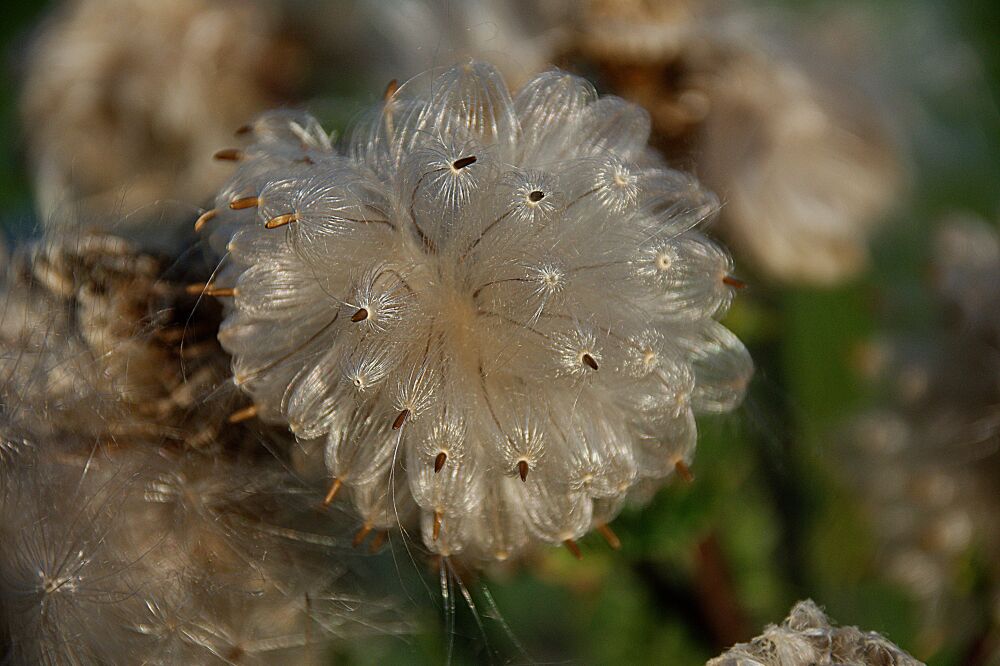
x=734 y=282
x=360 y=315
x=281 y=220
x=229 y=155
x=196 y=288
x=377 y=542
x=390 y=90
x=332 y=492
x=244 y=414
x=522 y=470
x=220 y=292
x=589 y=361
x=439 y=461
x=398 y=423
x=684 y=471
x=536 y=196
x=244 y=203
x=359 y=537
x=437 y=524
x=204 y=219
x=573 y=548
x=610 y=536
x=243 y=130
x=464 y=162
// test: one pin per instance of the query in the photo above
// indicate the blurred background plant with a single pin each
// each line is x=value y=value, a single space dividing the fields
x=862 y=470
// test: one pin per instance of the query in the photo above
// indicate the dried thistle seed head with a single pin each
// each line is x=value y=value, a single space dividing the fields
x=141 y=557
x=98 y=341
x=125 y=100
x=789 y=134
x=807 y=637
x=807 y=165
x=475 y=286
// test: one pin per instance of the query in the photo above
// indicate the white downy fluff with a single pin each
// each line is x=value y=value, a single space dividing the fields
x=502 y=301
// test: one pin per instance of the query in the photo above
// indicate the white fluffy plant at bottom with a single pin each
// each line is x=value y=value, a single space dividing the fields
x=493 y=310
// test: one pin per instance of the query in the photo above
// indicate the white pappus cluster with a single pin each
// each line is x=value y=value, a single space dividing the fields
x=493 y=310
x=808 y=637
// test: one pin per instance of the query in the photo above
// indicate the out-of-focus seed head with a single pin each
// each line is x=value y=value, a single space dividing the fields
x=807 y=637
x=123 y=120
x=501 y=300
x=785 y=132
x=98 y=341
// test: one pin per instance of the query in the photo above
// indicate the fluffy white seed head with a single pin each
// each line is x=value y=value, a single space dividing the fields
x=809 y=637
x=499 y=298
x=794 y=136
x=118 y=121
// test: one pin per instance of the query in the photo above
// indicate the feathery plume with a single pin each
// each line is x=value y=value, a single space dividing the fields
x=487 y=296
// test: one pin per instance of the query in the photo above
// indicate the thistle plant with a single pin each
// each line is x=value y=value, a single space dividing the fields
x=115 y=120
x=142 y=521
x=496 y=311
x=807 y=637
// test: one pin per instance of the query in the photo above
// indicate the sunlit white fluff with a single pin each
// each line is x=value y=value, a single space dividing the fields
x=500 y=302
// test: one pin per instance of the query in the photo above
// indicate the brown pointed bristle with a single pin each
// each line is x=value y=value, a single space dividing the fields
x=734 y=282
x=390 y=90
x=244 y=203
x=573 y=548
x=360 y=315
x=377 y=542
x=204 y=219
x=522 y=470
x=684 y=471
x=398 y=423
x=229 y=155
x=220 y=292
x=332 y=492
x=359 y=537
x=437 y=525
x=243 y=130
x=610 y=536
x=281 y=220
x=244 y=414
x=439 y=461
x=463 y=162
x=589 y=361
